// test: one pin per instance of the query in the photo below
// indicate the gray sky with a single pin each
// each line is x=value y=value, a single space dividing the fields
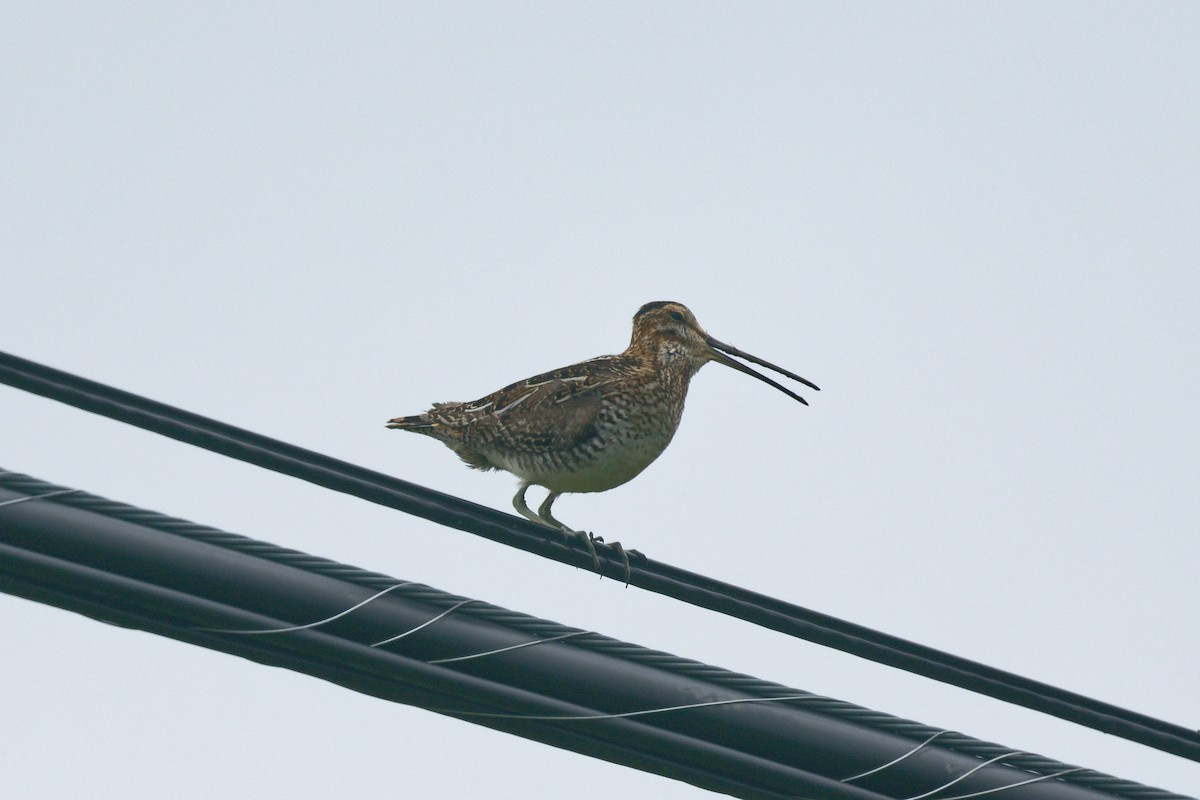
x=973 y=225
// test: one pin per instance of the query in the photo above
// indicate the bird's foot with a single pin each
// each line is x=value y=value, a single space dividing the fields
x=588 y=539
x=623 y=553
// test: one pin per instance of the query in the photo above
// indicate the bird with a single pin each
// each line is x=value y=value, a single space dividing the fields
x=590 y=426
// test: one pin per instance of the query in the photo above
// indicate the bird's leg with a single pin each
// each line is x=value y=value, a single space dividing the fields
x=522 y=509
x=588 y=538
x=544 y=517
x=548 y=519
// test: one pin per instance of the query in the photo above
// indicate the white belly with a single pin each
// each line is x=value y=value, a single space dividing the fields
x=595 y=469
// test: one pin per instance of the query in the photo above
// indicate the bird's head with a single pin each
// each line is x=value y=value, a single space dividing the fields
x=669 y=332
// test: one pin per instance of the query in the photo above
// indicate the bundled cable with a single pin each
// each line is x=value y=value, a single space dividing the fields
x=570 y=688
x=648 y=574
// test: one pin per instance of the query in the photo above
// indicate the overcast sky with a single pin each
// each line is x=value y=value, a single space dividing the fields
x=975 y=226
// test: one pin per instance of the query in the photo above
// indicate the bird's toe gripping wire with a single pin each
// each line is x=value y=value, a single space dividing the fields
x=544 y=517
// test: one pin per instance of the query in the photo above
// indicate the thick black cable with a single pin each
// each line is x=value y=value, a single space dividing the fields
x=647 y=574
x=484 y=664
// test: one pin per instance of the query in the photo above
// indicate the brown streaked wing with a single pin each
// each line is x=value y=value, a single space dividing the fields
x=556 y=410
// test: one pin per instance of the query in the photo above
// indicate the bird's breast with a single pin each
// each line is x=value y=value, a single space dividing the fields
x=628 y=437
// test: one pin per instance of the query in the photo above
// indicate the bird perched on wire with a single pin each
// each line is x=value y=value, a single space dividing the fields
x=591 y=426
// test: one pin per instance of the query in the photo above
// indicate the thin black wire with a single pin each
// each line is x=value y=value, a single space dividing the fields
x=647 y=574
x=212 y=582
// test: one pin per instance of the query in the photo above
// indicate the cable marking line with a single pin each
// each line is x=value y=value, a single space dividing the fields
x=510 y=647
x=1035 y=779
x=624 y=714
x=967 y=774
x=319 y=622
x=58 y=493
x=895 y=761
x=426 y=623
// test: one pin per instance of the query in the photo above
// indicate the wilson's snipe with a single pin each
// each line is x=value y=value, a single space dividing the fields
x=593 y=425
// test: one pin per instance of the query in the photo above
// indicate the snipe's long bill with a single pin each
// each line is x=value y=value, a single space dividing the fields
x=719 y=355
x=591 y=426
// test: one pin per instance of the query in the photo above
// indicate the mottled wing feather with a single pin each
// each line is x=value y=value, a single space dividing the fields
x=553 y=411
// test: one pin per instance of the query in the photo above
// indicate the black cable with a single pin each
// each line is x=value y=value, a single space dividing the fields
x=647 y=574
x=491 y=666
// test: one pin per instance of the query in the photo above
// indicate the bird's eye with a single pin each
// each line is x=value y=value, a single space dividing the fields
x=675 y=315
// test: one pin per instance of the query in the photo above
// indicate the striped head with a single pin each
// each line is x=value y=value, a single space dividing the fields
x=668 y=333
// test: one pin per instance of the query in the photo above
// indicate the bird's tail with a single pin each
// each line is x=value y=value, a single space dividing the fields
x=418 y=423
